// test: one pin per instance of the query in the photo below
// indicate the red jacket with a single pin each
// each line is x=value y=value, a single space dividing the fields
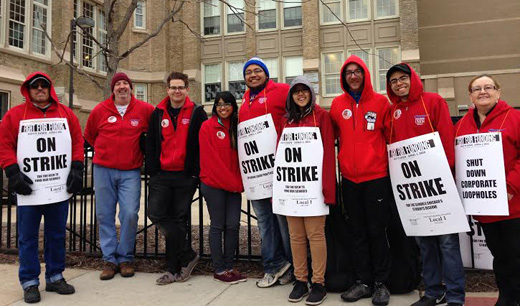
x=422 y=113
x=324 y=122
x=173 y=144
x=270 y=100
x=362 y=151
x=11 y=122
x=218 y=161
x=505 y=119
x=116 y=139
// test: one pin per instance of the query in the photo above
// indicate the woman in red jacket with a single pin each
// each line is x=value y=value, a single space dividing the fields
x=490 y=114
x=221 y=184
x=302 y=111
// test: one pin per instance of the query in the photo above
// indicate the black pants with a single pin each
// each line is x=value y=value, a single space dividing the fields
x=169 y=205
x=503 y=242
x=367 y=206
x=224 y=211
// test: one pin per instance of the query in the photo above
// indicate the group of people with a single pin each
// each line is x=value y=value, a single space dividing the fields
x=183 y=147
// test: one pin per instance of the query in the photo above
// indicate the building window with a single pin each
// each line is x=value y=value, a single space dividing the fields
x=212 y=82
x=329 y=10
x=87 y=49
x=292 y=13
x=26 y=19
x=141 y=91
x=140 y=15
x=86 y=52
x=293 y=67
x=266 y=14
x=272 y=66
x=387 y=57
x=364 y=55
x=235 y=16
x=4 y=101
x=386 y=8
x=236 y=82
x=332 y=66
x=102 y=30
x=358 y=10
x=212 y=17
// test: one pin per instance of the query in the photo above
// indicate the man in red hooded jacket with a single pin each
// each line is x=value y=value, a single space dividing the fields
x=41 y=102
x=114 y=129
x=415 y=113
x=358 y=115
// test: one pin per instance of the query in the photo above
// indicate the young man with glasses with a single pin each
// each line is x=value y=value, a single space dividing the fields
x=42 y=110
x=414 y=113
x=114 y=128
x=172 y=158
x=265 y=97
x=358 y=115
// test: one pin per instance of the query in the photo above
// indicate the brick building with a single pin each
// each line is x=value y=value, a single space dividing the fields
x=447 y=41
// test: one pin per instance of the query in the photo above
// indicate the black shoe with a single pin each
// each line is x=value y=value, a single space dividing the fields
x=356 y=292
x=381 y=295
x=31 y=294
x=60 y=287
x=299 y=290
x=504 y=300
x=455 y=304
x=317 y=296
x=428 y=301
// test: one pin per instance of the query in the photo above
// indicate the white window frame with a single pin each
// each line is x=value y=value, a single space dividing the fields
x=227 y=11
x=28 y=28
x=370 y=63
x=203 y=83
x=227 y=77
x=202 y=16
x=376 y=68
x=143 y=87
x=276 y=14
x=96 y=31
x=8 y=102
x=324 y=9
x=285 y=67
x=100 y=32
x=273 y=60
x=143 y=8
x=324 y=74
x=377 y=17
x=282 y=14
x=369 y=10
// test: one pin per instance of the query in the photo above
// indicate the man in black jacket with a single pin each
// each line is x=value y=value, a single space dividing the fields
x=172 y=157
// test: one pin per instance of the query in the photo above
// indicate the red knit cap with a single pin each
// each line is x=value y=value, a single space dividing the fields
x=118 y=77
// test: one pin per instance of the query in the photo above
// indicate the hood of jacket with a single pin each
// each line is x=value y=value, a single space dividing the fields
x=416 y=88
x=24 y=90
x=500 y=108
x=300 y=80
x=368 y=90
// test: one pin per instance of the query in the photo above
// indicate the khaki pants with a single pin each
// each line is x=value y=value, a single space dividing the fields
x=313 y=229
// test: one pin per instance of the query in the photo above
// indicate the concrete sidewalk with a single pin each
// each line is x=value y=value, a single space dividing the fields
x=198 y=290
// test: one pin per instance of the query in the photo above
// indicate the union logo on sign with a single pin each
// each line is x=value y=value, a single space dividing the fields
x=185 y=121
x=134 y=122
x=420 y=119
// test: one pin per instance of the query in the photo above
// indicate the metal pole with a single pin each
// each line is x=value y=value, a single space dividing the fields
x=71 y=70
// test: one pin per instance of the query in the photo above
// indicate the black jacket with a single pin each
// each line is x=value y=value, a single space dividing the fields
x=154 y=141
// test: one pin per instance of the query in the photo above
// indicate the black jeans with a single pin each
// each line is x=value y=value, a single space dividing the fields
x=367 y=205
x=224 y=211
x=504 y=244
x=169 y=205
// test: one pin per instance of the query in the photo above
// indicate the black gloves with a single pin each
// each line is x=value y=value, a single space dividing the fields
x=18 y=181
x=75 y=178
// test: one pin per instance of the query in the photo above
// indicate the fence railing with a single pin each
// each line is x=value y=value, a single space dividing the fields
x=82 y=227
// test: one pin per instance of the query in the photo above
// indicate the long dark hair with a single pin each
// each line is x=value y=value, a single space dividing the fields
x=228 y=97
x=294 y=113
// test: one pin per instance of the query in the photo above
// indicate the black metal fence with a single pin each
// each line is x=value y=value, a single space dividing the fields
x=82 y=227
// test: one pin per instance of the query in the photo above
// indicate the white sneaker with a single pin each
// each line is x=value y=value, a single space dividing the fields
x=268 y=280
x=282 y=271
x=287 y=278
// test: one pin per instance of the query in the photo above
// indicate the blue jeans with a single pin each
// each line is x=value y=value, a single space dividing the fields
x=114 y=186
x=441 y=259
x=274 y=233
x=29 y=218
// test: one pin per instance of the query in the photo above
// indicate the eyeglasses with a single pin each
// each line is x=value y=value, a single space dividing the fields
x=356 y=72
x=179 y=88
x=301 y=90
x=486 y=88
x=223 y=105
x=40 y=84
x=401 y=79
x=255 y=71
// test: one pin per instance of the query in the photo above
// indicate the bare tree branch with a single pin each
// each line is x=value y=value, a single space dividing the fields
x=172 y=13
x=197 y=34
x=124 y=22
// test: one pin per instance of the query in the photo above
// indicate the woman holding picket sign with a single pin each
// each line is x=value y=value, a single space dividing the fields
x=304 y=184
x=221 y=184
x=491 y=115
